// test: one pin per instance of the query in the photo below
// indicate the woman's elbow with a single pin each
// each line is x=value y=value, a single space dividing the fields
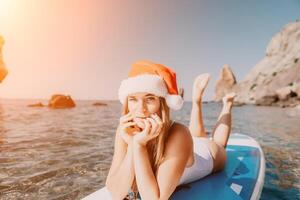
x=107 y=182
x=163 y=198
x=112 y=191
x=115 y=192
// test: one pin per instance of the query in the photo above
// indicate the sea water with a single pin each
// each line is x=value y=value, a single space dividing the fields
x=66 y=153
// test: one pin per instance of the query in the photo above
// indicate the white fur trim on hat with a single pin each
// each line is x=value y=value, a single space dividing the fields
x=174 y=101
x=148 y=83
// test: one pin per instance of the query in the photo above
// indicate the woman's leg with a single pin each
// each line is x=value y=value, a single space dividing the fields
x=196 y=126
x=223 y=127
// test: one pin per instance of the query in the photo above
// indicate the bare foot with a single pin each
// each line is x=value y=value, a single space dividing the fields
x=229 y=98
x=199 y=86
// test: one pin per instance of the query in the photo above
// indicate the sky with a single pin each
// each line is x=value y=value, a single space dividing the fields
x=85 y=48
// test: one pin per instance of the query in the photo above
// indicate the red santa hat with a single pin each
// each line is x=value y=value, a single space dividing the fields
x=157 y=79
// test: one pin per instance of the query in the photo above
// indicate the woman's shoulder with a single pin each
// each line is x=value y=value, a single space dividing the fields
x=179 y=133
x=179 y=127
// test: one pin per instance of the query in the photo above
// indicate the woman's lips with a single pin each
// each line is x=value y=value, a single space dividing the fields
x=132 y=130
x=138 y=127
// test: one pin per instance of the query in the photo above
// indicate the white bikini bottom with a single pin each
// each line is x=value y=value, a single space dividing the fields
x=203 y=162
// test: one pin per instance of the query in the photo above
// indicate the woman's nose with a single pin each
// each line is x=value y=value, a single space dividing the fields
x=142 y=108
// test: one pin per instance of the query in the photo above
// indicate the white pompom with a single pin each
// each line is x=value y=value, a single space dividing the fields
x=175 y=102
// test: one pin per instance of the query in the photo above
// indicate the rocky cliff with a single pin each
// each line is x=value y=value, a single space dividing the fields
x=275 y=80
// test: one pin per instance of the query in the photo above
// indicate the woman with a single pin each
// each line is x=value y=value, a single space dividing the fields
x=153 y=155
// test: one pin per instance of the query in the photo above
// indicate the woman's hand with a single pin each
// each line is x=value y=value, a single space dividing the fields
x=152 y=129
x=128 y=128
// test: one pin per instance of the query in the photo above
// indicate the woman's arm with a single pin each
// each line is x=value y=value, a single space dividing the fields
x=121 y=173
x=146 y=181
x=177 y=152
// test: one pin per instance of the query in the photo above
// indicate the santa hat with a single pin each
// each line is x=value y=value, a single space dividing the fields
x=153 y=78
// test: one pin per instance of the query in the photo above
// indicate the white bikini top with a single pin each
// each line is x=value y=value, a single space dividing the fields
x=203 y=163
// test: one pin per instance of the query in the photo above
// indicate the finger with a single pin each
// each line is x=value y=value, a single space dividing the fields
x=159 y=122
x=147 y=126
x=128 y=115
x=157 y=119
x=128 y=124
x=121 y=120
x=154 y=125
x=126 y=118
x=156 y=134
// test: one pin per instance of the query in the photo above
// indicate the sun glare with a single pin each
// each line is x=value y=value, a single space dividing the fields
x=5 y=8
x=4 y=4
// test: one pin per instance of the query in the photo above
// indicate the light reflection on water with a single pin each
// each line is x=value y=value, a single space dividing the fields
x=66 y=154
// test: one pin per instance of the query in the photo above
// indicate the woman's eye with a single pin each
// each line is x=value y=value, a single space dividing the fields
x=132 y=99
x=151 y=99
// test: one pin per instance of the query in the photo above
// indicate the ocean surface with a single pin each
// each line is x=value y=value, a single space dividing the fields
x=66 y=154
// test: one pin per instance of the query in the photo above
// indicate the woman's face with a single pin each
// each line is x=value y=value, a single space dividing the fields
x=142 y=105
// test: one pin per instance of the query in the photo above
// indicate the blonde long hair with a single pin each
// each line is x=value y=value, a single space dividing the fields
x=156 y=146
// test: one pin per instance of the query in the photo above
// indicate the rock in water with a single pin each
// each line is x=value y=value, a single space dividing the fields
x=61 y=101
x=3 y=70
x=39 y=104
x=99 y=104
